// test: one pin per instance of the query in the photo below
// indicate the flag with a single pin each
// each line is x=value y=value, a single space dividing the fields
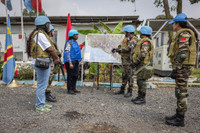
x=68 y=28
x=28 y=5
x=34 y=5
x=9 y=6
x=9 y=68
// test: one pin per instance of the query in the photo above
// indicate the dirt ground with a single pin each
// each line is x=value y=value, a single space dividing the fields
x=95 y=111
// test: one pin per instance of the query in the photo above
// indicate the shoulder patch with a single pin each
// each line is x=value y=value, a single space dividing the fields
x=68 y=47
x=124 y=41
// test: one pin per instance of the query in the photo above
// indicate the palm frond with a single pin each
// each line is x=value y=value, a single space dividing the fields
x=117 y=29
x=105 y=27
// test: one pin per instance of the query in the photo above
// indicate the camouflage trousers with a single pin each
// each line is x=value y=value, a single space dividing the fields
x=181 y=87
x=126 y=77
x=50 y=78
x=141 y=82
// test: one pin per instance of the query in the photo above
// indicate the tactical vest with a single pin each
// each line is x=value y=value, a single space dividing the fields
x=54 y=44
x=39 y=52
x=137 y=51
x=125 y=45
x=191 y=54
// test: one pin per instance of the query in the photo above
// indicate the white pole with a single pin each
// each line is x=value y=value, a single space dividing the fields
x=22 y=30
x=22 y=21
x=6 y=12
x=37 y=7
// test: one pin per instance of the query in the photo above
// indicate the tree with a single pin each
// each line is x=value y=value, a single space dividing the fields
x=165 y=4
x=32 y=13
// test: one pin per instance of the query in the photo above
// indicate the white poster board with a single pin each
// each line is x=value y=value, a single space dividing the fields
x=98 y=48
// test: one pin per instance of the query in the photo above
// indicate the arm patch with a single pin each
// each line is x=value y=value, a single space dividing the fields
x=68 y=48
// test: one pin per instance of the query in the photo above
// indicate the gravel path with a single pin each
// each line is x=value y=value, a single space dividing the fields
x=97 y=111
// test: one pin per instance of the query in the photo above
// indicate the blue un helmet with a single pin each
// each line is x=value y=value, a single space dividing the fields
x=180 y=17
x=41 y=20
x=72 y=33
x=129 y=28
x=146 y=30
x=51 y=28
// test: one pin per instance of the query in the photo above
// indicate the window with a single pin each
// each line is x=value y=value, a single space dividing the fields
x=157 y=42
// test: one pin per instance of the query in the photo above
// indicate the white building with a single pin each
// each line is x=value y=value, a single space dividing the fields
x=59 y=22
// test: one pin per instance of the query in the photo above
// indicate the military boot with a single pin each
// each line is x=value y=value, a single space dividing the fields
x=171 y=117
x=49 y=97
x=121 y=91
x=76 y=91
x=71 y=92
x=177 y=120
x=129 y=93
x=140 y=99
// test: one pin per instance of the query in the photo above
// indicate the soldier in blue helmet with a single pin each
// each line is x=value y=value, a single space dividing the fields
x=39 y=46
x=143 y=54
x=72 y=58
x=124 y=49
x=182 y=53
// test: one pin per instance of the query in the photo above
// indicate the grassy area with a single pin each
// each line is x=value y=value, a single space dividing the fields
x=196 y=73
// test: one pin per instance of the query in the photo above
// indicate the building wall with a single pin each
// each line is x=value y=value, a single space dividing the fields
x=59 y=29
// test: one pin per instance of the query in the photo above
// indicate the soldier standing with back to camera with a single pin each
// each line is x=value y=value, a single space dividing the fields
x=182 y=53
x=143 y=54
x=124 y=50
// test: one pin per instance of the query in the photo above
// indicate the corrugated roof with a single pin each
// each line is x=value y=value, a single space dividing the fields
x=155 y=24
x=75 y=19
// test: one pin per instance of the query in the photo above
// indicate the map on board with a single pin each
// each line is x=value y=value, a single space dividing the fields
x=98 y=48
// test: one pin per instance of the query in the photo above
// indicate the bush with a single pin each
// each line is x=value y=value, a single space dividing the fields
x=24 y=71
x=1 y=68
x=196 y=72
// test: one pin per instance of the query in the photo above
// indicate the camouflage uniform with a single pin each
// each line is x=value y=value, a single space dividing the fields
x=183 y=61
x=125 y=49
x=141 y=80
x=143 y=54
x=54 y=67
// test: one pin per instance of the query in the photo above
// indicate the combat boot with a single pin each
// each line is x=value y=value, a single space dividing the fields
x=129 y=93
x=171 y=117
x=76 y=91
x=121 y=91
x=177 y=120
x=49 y=97
x=71 y=92
x=140 y=99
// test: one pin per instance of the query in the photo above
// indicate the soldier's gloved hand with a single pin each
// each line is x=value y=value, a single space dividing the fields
x=118 y=51
x=113 y=50
x=173 y=74
x=133 y=65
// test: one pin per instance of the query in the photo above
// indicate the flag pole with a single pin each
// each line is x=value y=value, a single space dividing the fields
x=37 y=7
x=6 y=12
x=22 y=30
x=22 y=21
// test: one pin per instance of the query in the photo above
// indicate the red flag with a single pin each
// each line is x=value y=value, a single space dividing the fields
x=34 y=5
x=68 y=28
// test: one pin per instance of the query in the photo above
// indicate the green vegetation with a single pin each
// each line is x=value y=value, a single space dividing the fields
x=32 y=13
x=24 y=72
x=1 y=68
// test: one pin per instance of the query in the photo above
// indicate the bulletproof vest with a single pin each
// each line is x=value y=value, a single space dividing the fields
x=39 y=52
x=54 y=44
x=137 y=50
x=125 y=44
x=191 y=54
